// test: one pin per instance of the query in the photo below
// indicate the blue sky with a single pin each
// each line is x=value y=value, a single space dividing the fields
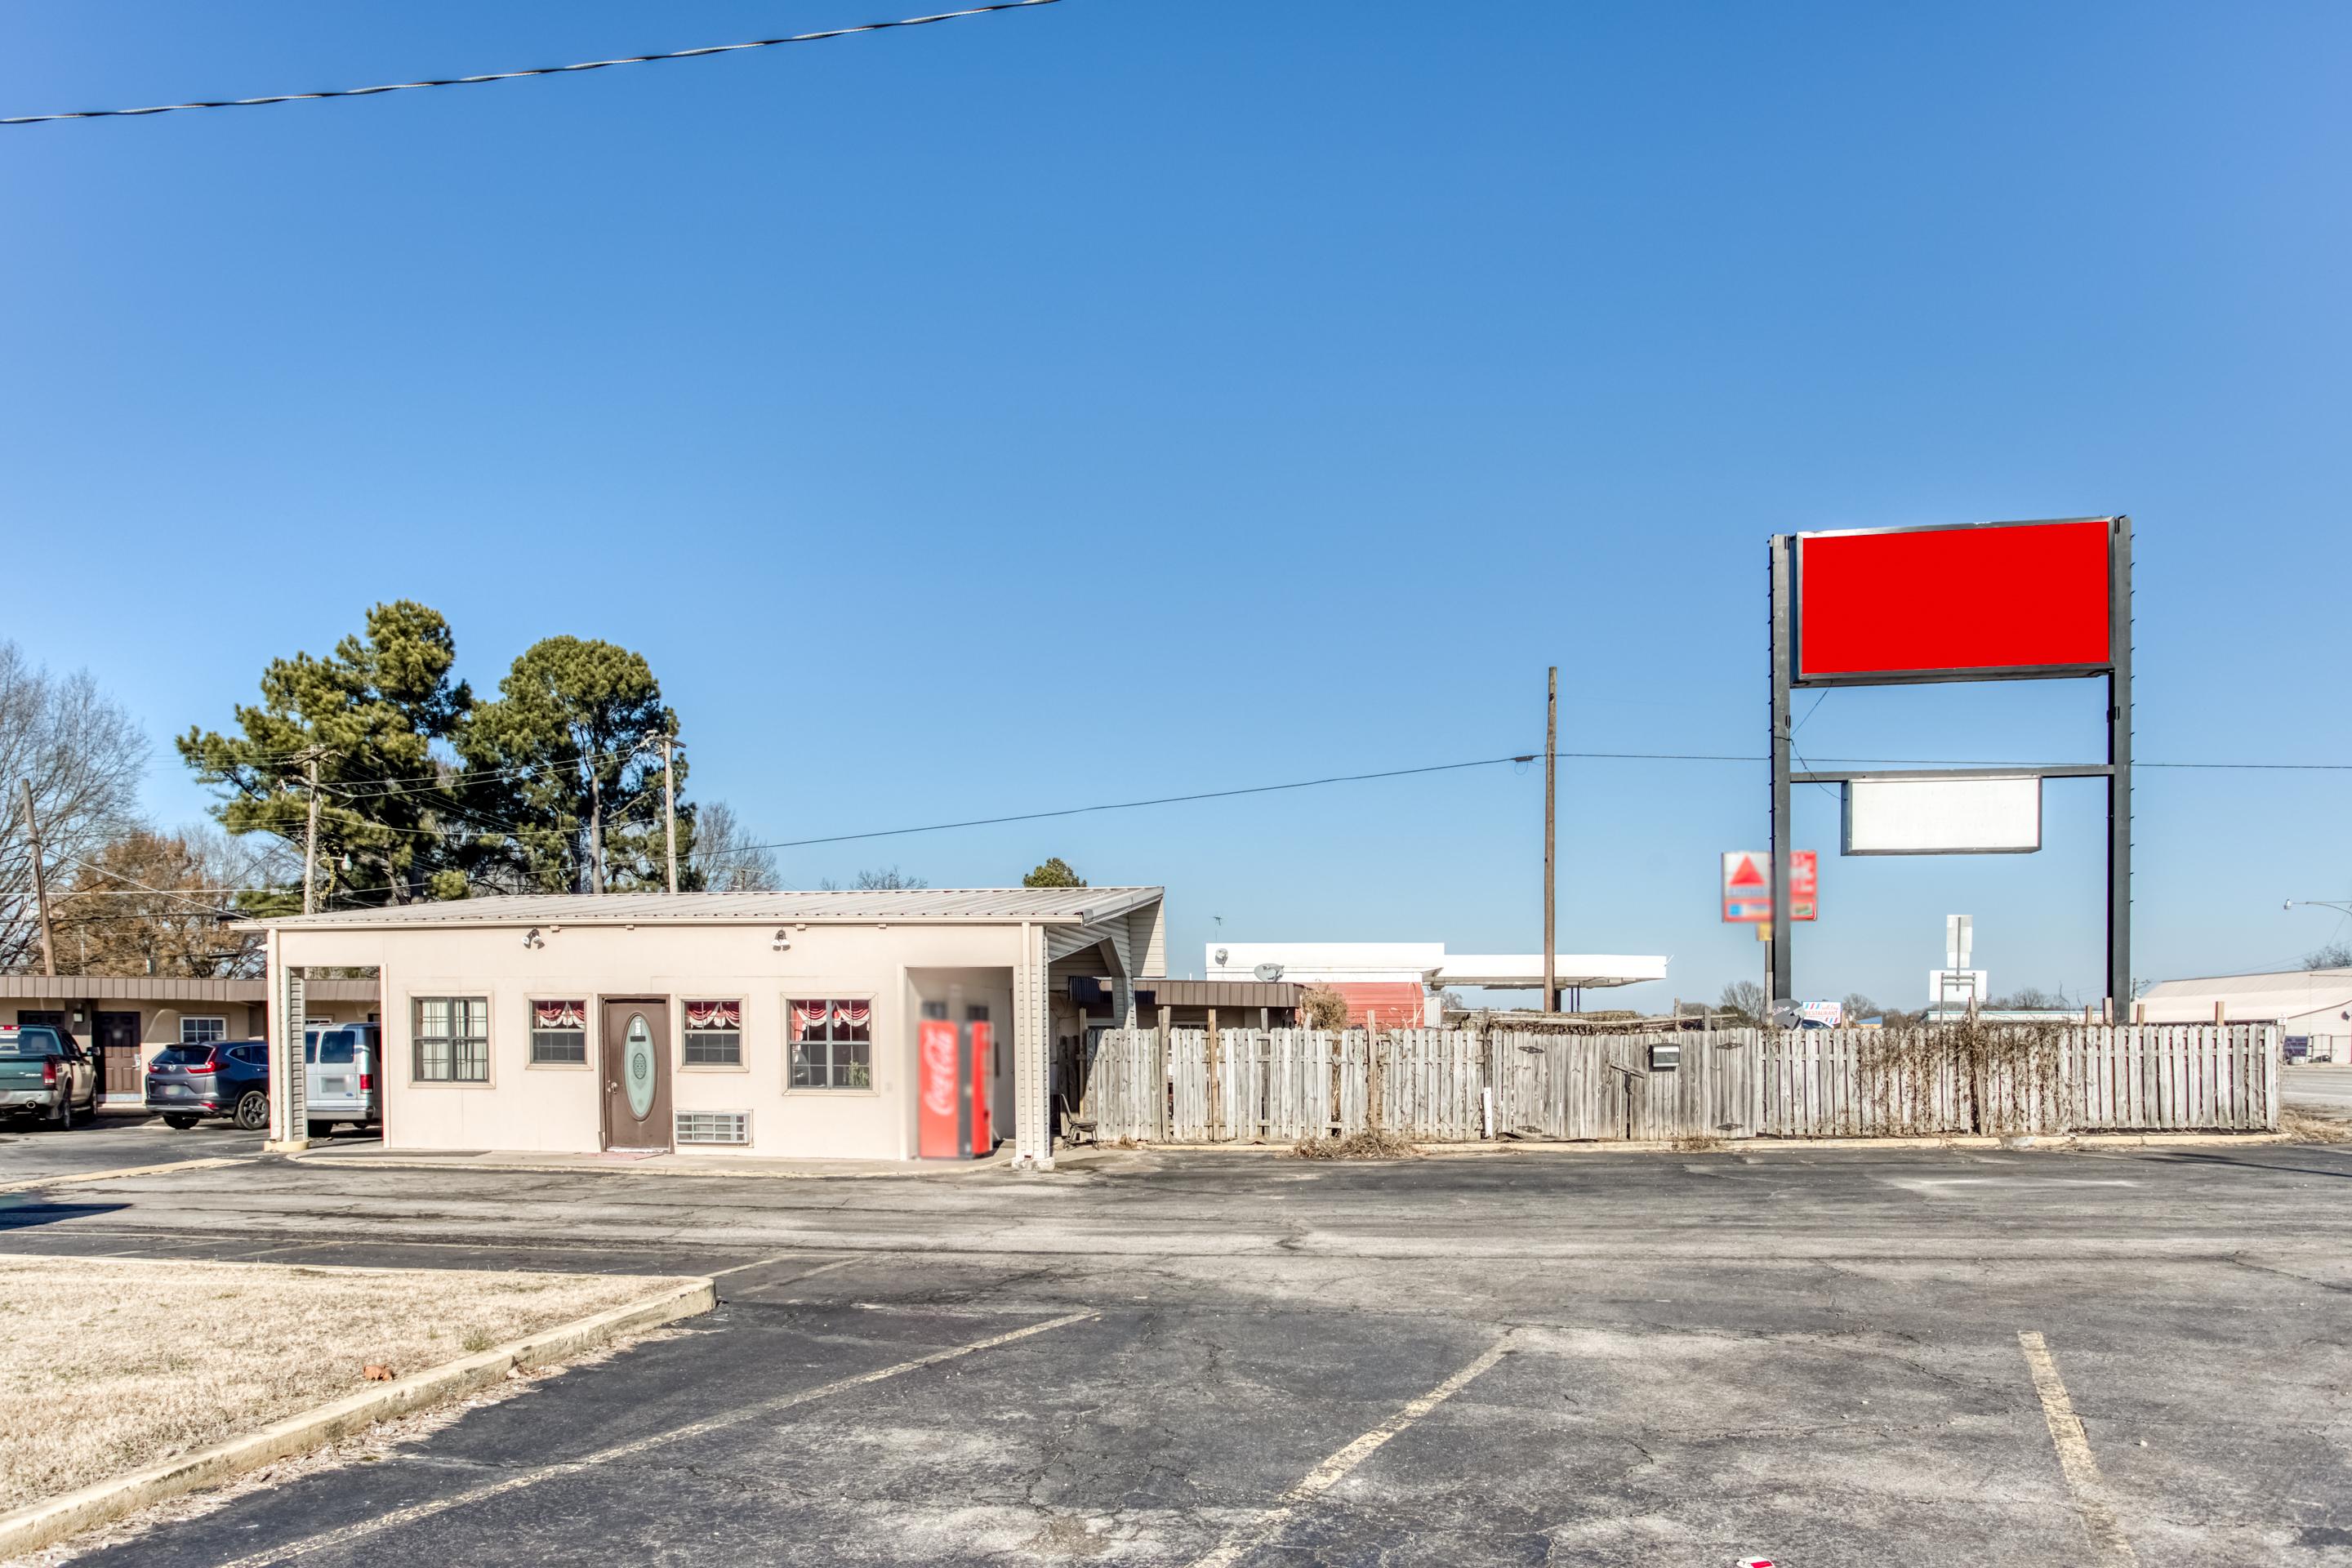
x=1126 y=397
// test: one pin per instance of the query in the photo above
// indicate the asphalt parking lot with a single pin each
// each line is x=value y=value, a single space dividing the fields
x=124 y=1139
x=117 y=1140
x=1822 y=1357
x=2327 y=1086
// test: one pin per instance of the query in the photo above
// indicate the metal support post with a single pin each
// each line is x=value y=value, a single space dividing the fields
x=1551 y=812
x=1783 y=959
x=2119 y=739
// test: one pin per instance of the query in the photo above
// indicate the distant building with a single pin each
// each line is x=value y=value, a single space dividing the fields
x=1402 y=985
x=126 y=1019
x=2311 y=1005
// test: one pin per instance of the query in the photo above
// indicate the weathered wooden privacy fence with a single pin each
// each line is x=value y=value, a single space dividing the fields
x=1282 y=1085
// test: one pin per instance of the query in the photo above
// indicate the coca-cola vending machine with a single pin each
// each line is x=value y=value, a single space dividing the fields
x=953 y=1068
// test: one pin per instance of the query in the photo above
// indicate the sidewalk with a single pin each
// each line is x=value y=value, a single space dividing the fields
x=376 y=1157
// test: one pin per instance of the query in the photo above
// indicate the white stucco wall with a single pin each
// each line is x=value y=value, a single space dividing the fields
x=560 y=1107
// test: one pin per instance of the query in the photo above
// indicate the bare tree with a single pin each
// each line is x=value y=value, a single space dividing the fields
x=1745 y=997
x=2335 y=955
x=1321 y=1007
x=158 y=903
x=2033 y=999
x=84 y=757
x=889 y=880
x=727 y=856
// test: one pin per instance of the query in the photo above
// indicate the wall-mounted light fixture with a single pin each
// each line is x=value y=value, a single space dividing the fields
x=532 y=939
x=783 y=940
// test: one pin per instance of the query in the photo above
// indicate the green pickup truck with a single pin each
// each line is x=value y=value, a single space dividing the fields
x=44 y=1073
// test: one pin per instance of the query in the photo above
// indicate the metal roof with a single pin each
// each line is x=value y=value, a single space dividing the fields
x=966 y=905
x=2250 y=998
x=168 y=988
x=1219 y=993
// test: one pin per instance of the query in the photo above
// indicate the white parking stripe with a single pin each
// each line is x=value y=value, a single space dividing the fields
x=82 y=1178
x=786 y=1258
x=2074 y=1457
x=329 y=1539
x=1334 y=1470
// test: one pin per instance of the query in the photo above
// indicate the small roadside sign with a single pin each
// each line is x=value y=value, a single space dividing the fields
x=1748 y=886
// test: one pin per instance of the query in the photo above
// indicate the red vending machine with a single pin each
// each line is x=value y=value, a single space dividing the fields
x=954 y=1066
x=980 y=1035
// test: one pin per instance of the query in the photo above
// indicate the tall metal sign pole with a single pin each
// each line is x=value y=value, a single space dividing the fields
x=1551 y=765
x=1993 y=601
x=1780 y=949
x=2119 y=739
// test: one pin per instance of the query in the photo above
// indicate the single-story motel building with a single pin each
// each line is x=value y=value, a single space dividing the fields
x=128 y=1018
x=775 y=1024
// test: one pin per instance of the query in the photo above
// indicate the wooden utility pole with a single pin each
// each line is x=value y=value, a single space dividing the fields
x=595 y=830
x=1551 y=812
x=669 y=810
x=311 y=839
x=40 y=882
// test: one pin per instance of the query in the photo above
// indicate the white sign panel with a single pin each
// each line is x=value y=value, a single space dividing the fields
x=1956 y=987
x=1943 y=816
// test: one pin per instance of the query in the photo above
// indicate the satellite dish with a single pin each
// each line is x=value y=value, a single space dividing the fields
x=1268 y=971
x=1221 y=958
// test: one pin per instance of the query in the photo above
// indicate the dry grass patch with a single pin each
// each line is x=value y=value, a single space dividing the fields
x=2304 y=1127
x=110 y=1366
x=1375 y=1144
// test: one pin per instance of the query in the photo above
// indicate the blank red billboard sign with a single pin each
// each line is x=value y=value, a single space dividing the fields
x=2010 y=596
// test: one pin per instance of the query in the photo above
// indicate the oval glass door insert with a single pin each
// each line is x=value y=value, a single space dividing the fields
x=637 y=1066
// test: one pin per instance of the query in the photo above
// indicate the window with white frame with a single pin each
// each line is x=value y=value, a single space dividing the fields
x=559 y=1033
x=453 y=1039
x=203 y=1031
x=714 y=1033
x=833 y=1044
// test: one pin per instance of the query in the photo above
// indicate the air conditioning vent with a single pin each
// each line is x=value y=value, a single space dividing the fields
x=714 y=1127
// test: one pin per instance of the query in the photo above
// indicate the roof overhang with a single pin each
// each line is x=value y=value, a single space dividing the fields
x=963 y=906
x=1519 y=972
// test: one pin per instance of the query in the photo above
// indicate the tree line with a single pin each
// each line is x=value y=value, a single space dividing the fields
x=420 y=789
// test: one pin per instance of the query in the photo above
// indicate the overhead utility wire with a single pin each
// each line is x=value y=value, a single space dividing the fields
x=1441 y=768
x=705 y=52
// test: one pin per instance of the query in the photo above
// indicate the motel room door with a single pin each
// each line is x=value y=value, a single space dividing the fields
x=118 y=1045
x=637 y=1072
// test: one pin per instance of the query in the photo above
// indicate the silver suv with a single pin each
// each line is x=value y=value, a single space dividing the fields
x=343 y=1077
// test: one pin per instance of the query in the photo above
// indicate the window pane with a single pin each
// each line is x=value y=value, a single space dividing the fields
x=720 y=1047
x=850 y=1070
x=473 y=1061
x=559 y=1046
x=432 y=1059
x=433 y=1017
x=808 y=1066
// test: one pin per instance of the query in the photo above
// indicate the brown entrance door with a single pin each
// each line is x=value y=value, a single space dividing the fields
x=637 y=1072
x=118 y=1045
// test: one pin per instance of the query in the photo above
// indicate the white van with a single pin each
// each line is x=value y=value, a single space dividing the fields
x=342 y=1078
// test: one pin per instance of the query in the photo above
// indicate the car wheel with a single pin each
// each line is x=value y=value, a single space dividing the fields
x=65 y=1114
x=253 y=1110
x=180 y=1123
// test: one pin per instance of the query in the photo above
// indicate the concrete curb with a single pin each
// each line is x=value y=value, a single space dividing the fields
x=42 y=1524
x=849 y=1170
x=75 y=1178
x=1756 y=1145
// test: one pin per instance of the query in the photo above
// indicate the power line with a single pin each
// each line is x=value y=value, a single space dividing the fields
x=1159 y=800
x=1448 y=767
x=705 y=52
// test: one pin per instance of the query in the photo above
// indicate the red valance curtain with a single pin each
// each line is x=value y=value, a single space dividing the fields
x=714 y=1015
x=559 y=1015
